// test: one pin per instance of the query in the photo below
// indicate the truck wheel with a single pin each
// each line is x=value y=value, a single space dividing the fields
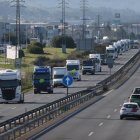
x=83 y=73
x=50 y=91
x=121 y=117
x=21 y=101
x=79 y=79
x=35 y=92
x=93 y=73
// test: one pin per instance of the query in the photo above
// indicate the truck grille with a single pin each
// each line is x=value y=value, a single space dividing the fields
x=8 y=93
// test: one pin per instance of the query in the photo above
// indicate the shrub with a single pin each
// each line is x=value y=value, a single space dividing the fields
x=41 y=61
x=76 y=55
x=57 y=62
x=35 y=50
x=38 y=44
x=57 y=42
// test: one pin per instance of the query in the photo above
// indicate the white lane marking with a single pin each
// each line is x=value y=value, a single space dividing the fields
x=13 y=108
x=108 y=116
x=108 y=92
x=90 y=134
x=101 y=124
x=115 y=110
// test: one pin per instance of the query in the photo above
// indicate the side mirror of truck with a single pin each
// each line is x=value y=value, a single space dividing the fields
x=20 y=82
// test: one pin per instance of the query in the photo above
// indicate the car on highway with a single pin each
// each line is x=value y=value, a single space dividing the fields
x=130 y=109
x=136 y=90
x=135 y=98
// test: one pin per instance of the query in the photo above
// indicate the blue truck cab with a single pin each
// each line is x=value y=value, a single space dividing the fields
x=42 y=79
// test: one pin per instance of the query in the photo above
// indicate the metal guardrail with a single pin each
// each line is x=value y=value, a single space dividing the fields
x=22 y=124
x=106 y=83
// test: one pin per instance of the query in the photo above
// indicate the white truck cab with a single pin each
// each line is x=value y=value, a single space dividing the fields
x=119 y=47
x=73 y=69
x=110 y=51
x=10 y=86
x=97 y=59
x=116 y=49
x=58 y=74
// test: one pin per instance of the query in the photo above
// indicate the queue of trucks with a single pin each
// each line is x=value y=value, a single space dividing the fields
x=45 y=78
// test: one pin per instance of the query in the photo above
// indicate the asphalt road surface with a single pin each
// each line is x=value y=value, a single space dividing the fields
x=32 y=101
x=101 y=120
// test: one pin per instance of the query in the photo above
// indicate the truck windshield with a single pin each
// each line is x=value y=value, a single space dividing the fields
x=41 y=76
x=96 y=60
x=58 y=76
x=110 y=51
x=87 y=63
x=9 y=83
x=135 y=96
x=72 y=67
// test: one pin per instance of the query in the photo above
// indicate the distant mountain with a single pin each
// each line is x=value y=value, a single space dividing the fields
x=40 y=14
x=115 y=4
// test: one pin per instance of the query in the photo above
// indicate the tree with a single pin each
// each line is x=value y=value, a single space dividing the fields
x=108 y=31
x=35 y=48
x=57 y=42
x=12 y=38
x=38 y=44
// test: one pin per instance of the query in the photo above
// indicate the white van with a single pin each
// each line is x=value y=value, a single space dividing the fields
x=73 y=69
x=97 y=59
x=58 y=74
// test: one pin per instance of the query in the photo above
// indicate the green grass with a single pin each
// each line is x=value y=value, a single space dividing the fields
x=27 y=66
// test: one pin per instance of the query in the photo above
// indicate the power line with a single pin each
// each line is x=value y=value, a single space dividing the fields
x=84 y=9
x=63 y=22
x=18 y=5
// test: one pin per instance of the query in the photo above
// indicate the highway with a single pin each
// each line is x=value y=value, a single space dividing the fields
x=101 y=120
x=32 y=101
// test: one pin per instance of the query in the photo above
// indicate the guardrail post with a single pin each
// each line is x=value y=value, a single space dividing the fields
x=105 y=87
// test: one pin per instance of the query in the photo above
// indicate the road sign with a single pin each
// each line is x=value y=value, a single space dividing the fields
x=67 y=80
x=18 y=62
x=110 y=62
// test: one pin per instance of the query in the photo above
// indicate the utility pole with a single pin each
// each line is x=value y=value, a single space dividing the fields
x=98 y=25
x=18 y=45
x=63 y=33
x=84 y=8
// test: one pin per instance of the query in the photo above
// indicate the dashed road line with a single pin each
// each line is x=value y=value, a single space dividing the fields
x=101 y=124
x=13 y=108
x=108 y=116
x=90 y=134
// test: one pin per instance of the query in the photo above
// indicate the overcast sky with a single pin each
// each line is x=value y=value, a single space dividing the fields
x=115 y=4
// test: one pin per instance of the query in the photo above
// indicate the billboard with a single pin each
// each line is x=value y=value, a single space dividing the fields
x=12 y=52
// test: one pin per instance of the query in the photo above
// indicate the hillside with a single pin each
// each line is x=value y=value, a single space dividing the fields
x=54 y=14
